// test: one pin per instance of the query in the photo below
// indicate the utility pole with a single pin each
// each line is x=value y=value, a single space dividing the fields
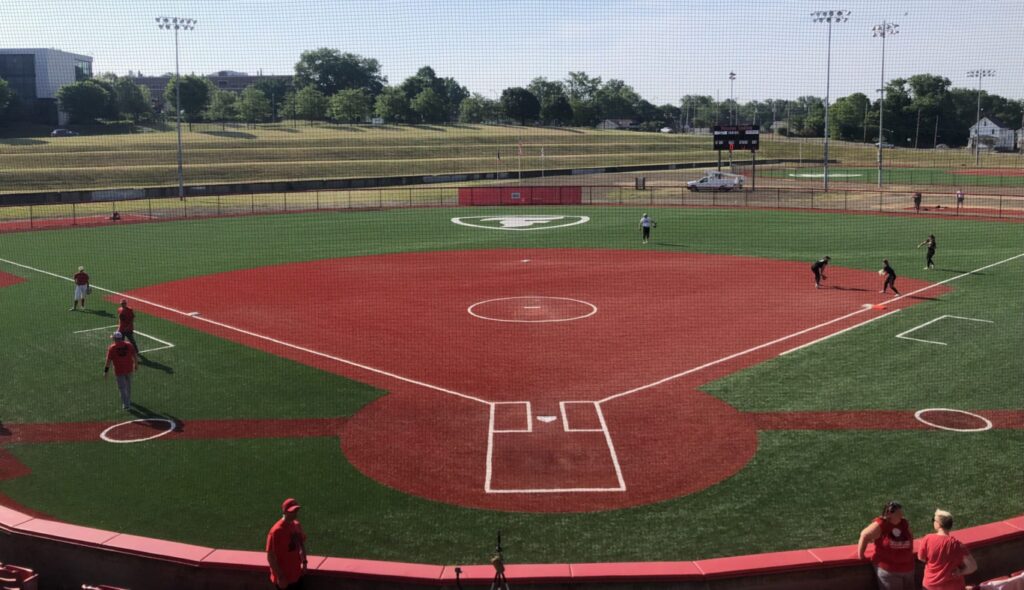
x=883 y=30
x=829 y=16
x=917 y=132
x=935 y=138
x=177 y=24
x=979 y=74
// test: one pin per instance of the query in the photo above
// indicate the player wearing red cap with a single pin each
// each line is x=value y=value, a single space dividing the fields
x=286 y=547
x=121 y=354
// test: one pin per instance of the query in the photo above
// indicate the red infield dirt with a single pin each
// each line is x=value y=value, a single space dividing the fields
x=6 y=280
x=536 y=380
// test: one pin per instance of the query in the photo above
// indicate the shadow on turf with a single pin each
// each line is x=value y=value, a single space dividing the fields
x=146 y=362
x=959 y=272
x=231 y=134
x=142 y=412
x=99 y=312
x=838 y=288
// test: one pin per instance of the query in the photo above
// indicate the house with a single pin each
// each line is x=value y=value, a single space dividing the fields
x=991 y=132
x=616 y=124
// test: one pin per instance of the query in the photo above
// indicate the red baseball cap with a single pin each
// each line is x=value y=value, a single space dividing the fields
x=291 y=505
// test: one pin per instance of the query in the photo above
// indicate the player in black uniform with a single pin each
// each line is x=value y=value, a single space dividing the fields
x=818 y=268
x=930 y=242
x=890 y=277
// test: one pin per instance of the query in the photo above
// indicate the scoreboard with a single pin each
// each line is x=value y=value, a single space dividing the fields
x=737 y=137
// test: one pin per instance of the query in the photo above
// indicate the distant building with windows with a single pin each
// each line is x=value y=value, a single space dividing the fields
x=35 y=76
x=990 y=131
x=223 y=80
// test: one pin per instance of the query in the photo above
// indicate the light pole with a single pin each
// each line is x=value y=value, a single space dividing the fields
x=187 y=24
x=829 y=16
x=732 y=78
x=979 y=74
x=883 y=30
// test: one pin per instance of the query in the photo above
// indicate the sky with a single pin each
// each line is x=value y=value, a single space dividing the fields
x=663 y=49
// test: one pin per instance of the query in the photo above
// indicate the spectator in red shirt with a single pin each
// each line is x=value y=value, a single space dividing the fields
x=286 y=548
x=121 y=354
x=893 y=559
x=946 y=560
x=126 y=324
x=81 y=288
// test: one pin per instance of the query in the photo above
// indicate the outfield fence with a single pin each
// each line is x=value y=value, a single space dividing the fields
x=31 y=217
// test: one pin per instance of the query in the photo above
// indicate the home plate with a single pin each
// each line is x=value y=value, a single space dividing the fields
x=547 y=419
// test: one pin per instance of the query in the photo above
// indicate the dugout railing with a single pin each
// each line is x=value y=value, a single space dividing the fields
x=29 y=217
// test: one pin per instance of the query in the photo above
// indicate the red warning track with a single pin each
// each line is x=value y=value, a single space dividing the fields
x=535 y=403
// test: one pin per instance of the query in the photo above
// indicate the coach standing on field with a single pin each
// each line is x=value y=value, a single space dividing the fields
x=121 y=354
x=81 y=288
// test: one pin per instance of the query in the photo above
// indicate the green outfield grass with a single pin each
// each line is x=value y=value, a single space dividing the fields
x=282 y=152
x=903 y=176
x=802 y=489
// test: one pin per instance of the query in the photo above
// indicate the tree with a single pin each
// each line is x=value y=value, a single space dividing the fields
x=582 y=90
x=350 y=106
x=275 y=89
x=520 y=104
x=5 y=94
x=447 y=90
x=222 y=107
x=83 y=101
x=253 y=106
x=133 y=100
x=310 y=104
x=429 y=107
x=479 y=109
x=616 y=100
x=195 y=96
x=329 y=70
x=393 y=106
x=846 y=117
x=556 y=111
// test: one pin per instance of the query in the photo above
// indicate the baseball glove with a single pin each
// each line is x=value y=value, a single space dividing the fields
x=88 y=290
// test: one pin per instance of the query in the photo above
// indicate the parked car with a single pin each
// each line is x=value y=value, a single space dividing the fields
x=59 y=132
x=884 y=144
x=714 y=180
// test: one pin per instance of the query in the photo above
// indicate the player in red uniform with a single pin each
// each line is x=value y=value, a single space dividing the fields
x=121 y=354
x=126 y=324
x=81 y=288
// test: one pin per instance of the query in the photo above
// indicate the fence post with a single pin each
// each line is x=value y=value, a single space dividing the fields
x=1000 y=205
x=286 y=201
x=812 y=198
x=380 y=198
x=846 y=200
x=30 y=217
x=745 y=201
x=149 y=205
x=410 y=196
x=879 y=201
x=74 y=213
x=778 y=198
x=218 y=205
x=318 y=199
x=184 y=205
x=620 y=195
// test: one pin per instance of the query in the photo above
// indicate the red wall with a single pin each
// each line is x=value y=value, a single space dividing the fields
x=527 y=195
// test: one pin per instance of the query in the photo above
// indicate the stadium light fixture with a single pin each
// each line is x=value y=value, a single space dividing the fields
x=177 y=24
x=979 y=74
x=883 y=30
x=732 y=99
x=829 y=16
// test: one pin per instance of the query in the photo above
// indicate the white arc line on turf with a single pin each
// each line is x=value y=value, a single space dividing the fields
x=261 y=336
x=795 y=334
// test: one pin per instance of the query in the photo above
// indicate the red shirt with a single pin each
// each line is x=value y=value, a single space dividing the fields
x=125 y=319
x=894 y=548
x=942 y=555
x=81 y=278
x=287 y=542
x=122 y=354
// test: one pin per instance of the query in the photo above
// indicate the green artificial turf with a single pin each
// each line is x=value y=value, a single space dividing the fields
x=225 y=493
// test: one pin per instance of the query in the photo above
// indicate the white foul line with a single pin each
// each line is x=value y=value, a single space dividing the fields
x=264 y=338
x=165 y=346
x=824 y=338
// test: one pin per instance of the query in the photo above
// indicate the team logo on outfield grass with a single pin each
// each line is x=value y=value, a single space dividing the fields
x=521 y=222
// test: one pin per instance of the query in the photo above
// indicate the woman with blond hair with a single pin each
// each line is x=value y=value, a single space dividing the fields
x=946 y=560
